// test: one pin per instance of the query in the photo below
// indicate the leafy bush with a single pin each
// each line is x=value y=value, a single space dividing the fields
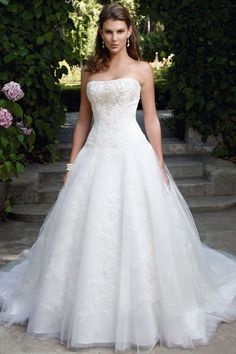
x=34 y=38
x=201 y=37
x=154 y=42
x=162 y=88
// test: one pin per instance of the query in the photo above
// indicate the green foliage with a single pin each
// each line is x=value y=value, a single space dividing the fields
x=34 y=38
x=162 y=87
x=85 y=17
x=14 y=146
x=152 y=39
x=151 y=44
x=201 y=37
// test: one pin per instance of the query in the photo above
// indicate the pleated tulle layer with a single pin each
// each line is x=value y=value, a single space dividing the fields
x=119 y=262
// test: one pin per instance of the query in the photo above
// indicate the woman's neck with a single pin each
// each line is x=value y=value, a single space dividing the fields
x=119 y=58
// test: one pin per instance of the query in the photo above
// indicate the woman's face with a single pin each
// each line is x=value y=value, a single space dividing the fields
x=115 y=34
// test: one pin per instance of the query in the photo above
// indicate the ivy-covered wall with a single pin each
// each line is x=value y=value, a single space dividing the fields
x=201 y=35
x=34 y=38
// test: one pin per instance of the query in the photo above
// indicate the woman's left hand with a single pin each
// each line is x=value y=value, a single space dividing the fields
x=166 y=178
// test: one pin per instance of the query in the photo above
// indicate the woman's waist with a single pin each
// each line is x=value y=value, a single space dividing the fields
x=115 y=135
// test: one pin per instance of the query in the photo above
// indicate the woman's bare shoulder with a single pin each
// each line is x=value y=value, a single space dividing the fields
x=144 y=71
x=85 y=74
x=145 y=67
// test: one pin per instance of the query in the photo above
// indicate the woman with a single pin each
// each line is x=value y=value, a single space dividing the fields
x=118 y=261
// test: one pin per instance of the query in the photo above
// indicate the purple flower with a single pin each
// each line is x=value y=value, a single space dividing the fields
x=13 y=91
x=5 y=118
x=26 y=131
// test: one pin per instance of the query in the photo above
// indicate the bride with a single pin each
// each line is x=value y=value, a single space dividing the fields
x=118 y=260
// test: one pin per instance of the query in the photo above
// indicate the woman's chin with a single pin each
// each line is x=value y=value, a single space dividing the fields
x=115 y=50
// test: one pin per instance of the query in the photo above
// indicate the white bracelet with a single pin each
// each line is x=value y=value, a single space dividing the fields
x=69 y=166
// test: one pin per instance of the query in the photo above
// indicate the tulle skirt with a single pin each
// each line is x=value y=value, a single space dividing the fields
x=118 y=262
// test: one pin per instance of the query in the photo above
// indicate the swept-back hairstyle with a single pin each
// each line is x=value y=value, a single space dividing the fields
x=100 y=60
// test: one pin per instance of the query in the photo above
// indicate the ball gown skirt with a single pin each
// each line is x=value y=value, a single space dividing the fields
x=118 y=260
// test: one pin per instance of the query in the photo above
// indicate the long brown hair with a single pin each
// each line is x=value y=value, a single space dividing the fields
x=100 y=60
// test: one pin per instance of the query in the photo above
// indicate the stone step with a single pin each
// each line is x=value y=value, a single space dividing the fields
x=184 y=166
x=201 y=204
x=194 y=186
x=37 y=212
x=51 y=173
x=48 y=193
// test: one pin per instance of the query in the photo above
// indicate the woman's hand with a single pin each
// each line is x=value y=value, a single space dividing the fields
x=65 y=177
x=166 y=178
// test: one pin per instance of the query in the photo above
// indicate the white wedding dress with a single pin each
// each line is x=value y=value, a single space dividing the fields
x=118 y=260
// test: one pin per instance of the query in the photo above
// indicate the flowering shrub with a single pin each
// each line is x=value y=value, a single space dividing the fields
x=16 y=135
x=35 y=37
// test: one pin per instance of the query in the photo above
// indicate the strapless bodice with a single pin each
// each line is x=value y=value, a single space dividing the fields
x=114 y=104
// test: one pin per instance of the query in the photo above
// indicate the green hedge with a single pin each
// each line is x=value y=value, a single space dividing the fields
x=201 y=35
x=34 y=38
x=71 y=97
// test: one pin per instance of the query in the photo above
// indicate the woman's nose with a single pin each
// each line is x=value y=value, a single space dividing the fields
x=114 y=37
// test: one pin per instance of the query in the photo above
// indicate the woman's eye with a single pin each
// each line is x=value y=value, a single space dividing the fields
x=110 y=32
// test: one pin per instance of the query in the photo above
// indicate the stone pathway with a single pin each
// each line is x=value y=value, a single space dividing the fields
x=217 y=229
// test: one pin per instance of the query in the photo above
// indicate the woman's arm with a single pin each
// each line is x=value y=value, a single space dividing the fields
x=83 y=124
x=151 y=120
